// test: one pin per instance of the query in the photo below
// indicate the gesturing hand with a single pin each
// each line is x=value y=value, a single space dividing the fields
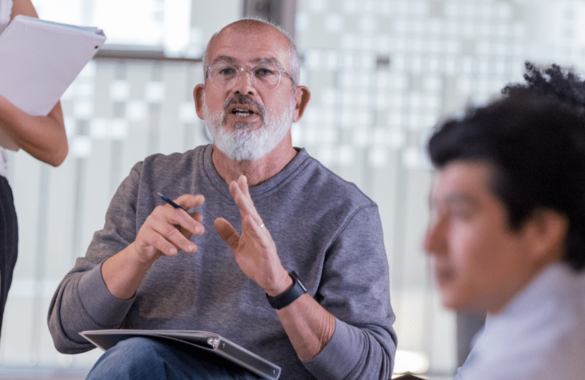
x=168 y=230
x=254 y=250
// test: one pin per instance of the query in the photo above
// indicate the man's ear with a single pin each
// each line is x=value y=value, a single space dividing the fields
x=546 y=231
x=199 y=95
x=302 y=97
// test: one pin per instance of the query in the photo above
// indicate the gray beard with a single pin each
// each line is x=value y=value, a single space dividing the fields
x=245 y=144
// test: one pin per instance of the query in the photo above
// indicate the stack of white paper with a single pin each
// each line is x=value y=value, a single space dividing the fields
x=39 y=60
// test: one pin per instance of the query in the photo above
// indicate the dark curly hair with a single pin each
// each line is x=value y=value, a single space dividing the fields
x=534 y=138
x=551 y=81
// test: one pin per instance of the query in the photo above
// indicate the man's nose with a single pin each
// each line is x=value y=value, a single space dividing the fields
x=245 y=83
x=435 y=241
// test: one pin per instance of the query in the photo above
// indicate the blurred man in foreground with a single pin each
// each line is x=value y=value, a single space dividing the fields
x=508 y=235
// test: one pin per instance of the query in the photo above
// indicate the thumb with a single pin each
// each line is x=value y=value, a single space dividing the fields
x=227 y=232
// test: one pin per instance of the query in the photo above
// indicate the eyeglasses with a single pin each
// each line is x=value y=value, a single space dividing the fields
x=266 y=77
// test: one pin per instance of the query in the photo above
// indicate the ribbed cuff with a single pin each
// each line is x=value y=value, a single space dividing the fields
x=100 y=304
x=338 y=358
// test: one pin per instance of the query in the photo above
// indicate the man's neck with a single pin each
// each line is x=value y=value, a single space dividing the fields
x=258 y=171
x=507 y=295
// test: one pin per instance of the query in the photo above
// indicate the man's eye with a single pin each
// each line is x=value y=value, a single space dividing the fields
x=461 y=214
x=227 y=71
x=263 y=72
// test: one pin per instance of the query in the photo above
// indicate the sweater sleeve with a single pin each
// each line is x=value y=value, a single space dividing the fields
x=355 y=289
x=82 y=300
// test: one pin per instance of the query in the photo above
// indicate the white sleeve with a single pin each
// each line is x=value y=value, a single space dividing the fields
x=5 y=12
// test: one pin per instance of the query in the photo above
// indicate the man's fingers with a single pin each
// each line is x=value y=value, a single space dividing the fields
x=243 y=183
x=255 y=231
x=180 y=218
x=174 y=236
x=188 y=201
x=160 y=243
x=244 y=203
x=186 y=233
x=227 y=232
x=197 y=216
x=169 y=230
x=184 y=221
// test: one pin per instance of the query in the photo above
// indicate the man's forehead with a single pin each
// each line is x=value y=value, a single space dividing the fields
x=256 y=61
x=462 y=182
x=259 y=42
x=455 y=198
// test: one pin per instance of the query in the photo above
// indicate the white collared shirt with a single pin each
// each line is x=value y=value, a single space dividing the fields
x=540 y=334
x=5 y=12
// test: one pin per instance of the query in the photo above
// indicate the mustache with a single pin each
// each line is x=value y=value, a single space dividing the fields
x=245 y=100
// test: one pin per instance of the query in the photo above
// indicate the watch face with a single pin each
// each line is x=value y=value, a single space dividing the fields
x=298 y=280
x=303 y=286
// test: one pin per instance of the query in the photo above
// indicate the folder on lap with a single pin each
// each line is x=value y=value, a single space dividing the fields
x=39 y=60
x=200 y=342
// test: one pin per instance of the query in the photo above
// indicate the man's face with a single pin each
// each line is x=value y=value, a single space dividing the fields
x=478 y=261
x=246 y=120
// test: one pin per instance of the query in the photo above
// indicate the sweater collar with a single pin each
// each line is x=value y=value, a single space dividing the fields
x=264 y=189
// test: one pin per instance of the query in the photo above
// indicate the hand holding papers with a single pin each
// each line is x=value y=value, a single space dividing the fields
x=39 y=60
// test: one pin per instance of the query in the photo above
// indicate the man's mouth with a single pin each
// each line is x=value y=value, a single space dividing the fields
x=444 y=274
x=244 y=106
x=242 y=112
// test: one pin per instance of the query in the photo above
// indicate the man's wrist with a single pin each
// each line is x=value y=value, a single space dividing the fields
x=137 y=260
x=289 y=296
x=283 y=286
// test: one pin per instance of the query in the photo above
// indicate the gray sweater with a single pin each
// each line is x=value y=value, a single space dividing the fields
x=324 y=228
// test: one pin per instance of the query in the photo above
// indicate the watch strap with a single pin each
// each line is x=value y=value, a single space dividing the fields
x=288 y=297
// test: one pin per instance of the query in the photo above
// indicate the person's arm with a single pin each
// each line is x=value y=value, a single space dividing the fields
x=82 y=301
x=99 y=291
x=23 y=7
x=158 y=236
x=308 y=325
x=43 y=137
x=328 y=346
x=355 y=288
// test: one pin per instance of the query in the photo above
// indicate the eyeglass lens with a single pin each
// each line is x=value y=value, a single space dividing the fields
x=225 y=76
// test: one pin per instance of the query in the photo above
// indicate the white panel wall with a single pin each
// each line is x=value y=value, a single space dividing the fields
x=367 y=121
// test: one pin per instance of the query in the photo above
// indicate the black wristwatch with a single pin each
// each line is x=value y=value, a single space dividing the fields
x=286 y=298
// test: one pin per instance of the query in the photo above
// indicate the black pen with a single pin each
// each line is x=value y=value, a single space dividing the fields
x=166 y=199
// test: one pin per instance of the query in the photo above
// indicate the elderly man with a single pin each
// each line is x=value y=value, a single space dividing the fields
x=158 y=267
x=508 y=237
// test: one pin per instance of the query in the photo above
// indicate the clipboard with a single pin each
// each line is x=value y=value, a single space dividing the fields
x=39 y=60
x=198 y=341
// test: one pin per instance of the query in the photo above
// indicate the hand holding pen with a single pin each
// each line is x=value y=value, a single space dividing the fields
x=168 y=229
x=169 y=201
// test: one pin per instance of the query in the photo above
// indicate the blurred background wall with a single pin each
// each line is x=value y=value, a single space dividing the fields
x=381 y=72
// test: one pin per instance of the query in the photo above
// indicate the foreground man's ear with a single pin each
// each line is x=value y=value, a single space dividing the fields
x=546 y=231
x=198 y=95
x=302 y=97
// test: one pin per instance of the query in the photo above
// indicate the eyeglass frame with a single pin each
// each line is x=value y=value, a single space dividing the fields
x=241 y=70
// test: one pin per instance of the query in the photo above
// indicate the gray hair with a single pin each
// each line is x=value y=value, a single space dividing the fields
x=293 y=54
